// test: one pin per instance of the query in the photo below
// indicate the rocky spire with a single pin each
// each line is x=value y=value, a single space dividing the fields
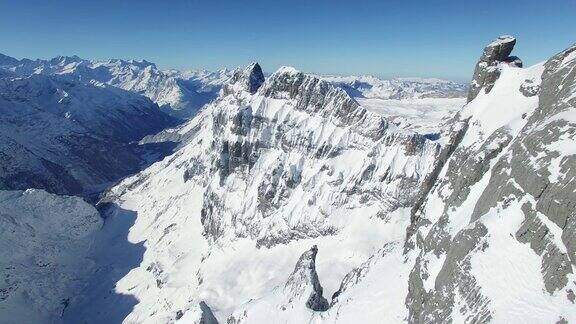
x=207 y=315
x=249 y=79
x=254 y=77
x=487 y=69
x=304 y=279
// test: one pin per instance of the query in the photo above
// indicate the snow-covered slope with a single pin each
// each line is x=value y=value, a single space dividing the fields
x=472 y=228
x=496 y=233
x=71 y=137
x=44 y=242
x=180 y=94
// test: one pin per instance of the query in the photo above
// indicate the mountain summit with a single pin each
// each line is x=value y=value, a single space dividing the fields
x=488 y=67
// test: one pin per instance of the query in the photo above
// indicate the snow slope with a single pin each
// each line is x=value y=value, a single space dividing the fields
x=41 y=273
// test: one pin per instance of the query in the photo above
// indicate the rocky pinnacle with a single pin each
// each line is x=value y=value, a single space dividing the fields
x=250 y=79
x=487 y=69
x=305 y=277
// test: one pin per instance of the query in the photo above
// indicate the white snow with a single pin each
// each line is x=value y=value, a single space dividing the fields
x=424 y=116
x=44 y=242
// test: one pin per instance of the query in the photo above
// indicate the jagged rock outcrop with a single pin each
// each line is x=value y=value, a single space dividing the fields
x=207 y=315
x=488 y=68
x=304 y=281
x=249 y=79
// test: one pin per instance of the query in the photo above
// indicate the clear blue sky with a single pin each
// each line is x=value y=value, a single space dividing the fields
x=383 y=38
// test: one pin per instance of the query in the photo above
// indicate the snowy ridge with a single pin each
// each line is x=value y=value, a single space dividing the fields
x=180 y=94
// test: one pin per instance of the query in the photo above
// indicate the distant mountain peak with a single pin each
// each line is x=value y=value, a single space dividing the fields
x=7 y=60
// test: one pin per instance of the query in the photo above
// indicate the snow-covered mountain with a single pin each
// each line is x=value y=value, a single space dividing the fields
x=180 y=94
x=476 y=226
x=290 y=201
x=272 y=167
x=71 y=137
x=366 y=86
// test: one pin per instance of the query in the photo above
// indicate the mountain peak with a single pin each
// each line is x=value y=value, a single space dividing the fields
x=8 y=60
x=254 y=76
x=500 y=48
x=488 y=68
x=249 y=79
x=304 y=278
x=287 y=70
x=62 y=59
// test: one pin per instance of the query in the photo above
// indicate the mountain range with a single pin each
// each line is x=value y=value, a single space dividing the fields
x=287 y=198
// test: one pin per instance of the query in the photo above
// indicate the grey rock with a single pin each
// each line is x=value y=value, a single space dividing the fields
x=250 y=79
x=487 y=71
x=529 y=88
x=304 y=276
x=454 y=277
x=207 y=315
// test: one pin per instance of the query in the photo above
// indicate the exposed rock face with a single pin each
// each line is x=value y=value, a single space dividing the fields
x=487 y=69
x=304 y=279
x=529 y=88
x=207 y=315
x=249 y=79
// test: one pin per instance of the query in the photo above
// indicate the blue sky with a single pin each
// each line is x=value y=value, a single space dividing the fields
x=383 y=38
